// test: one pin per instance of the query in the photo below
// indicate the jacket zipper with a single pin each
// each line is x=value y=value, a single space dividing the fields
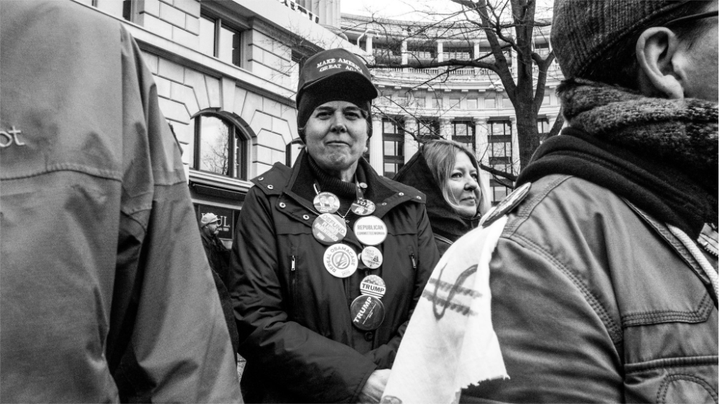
x=412 y=258
x=293 y=281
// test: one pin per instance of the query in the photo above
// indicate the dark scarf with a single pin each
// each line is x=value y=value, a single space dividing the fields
x=309 y=172
x=445 y=221
x=660 y=154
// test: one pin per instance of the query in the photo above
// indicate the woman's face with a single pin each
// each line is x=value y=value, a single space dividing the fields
x=463 y=186
x=335 y=137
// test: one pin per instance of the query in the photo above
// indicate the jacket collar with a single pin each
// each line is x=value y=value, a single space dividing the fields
x=296 y=184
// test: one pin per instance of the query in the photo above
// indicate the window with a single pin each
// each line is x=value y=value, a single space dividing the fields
x=220 y=145
x=543 y=126
x=472 y=103
x=393 y=144
x=464 y=132
x=459 y=54
x=428 y=129
x=124 y=8
x=506 y=103
x=500 y=158
x=490 y=101
x=219 y=39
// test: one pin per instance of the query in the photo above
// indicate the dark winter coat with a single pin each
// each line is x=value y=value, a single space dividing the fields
x=293 y=316
x=447 y=224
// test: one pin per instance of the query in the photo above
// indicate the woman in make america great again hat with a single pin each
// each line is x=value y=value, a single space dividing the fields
x=329 y=258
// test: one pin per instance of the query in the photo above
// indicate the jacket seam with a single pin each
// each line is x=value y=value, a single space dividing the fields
x=612 y=327
x=671 y=362
x=666 y=235
x=105 y=174
x=699 y=315
x=662 y=391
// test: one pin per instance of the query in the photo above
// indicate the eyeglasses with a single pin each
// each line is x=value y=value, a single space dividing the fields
x=693 y=17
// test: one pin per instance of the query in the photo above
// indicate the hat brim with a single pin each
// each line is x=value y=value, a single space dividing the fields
x=353 y=81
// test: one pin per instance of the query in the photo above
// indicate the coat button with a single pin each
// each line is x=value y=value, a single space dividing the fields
x=384 y=203
x=369 y=336
x=270 y=186
x=401 y=194
x=261 y=178
x=282 y=204
x=419 y=197
x=306 y=217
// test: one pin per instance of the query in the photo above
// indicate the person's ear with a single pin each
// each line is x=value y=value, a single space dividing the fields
x=657 y=50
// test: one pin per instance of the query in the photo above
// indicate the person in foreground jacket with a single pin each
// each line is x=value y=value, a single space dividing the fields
x=106 y=294
x=604 y=280
x=447 y=173
x=329 y=258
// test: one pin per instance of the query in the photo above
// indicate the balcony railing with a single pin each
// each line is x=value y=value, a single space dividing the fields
x=300 y=9
x=411 y=73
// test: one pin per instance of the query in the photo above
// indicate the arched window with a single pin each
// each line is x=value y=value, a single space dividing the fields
x=221 y=144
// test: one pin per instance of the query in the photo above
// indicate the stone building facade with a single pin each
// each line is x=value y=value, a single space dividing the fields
x=226 y=72
x=468 y=105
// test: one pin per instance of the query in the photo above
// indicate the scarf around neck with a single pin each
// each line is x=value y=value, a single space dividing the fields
x=660 y=154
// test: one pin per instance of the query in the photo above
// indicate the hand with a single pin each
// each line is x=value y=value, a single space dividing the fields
x=373 y=389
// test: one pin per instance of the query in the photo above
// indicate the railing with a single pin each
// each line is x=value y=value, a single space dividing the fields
x=411 y=73
x=300 y=9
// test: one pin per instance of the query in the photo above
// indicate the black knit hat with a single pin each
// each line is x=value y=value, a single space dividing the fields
x=333 y=75
x=583 y=30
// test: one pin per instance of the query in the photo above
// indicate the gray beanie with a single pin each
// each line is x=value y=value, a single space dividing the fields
x=583 y=30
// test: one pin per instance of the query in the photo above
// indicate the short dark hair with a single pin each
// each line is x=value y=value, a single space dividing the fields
x=619 y=66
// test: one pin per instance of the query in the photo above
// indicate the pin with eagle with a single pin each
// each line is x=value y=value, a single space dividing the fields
x=371 y=257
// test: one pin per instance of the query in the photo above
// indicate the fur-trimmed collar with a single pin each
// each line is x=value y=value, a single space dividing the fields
x=660 y=154
x=680 y=133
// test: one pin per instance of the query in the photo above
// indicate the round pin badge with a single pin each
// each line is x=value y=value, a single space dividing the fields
x=367 y=312
x=506 y=205
x=373 y=285
x=340 y=260
x=371 y=257
x=329 y=229
x=362 y=207
x=326 y=202
x=370 y=230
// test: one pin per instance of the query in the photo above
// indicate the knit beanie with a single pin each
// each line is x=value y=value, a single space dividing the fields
x=584 y=30
x=333 y=75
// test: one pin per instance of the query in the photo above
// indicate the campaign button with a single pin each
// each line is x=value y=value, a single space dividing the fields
x=371 y=257
x=329 y=229
x=367 y=312
x=362 y=207
x=370 y=230
x=340 y=260
x=326 y=202
x=373 y=285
